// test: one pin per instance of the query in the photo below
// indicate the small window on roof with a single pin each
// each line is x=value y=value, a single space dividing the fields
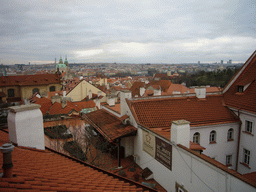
x=240 y=89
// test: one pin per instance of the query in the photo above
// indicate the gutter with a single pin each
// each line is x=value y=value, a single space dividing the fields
x=239 y=136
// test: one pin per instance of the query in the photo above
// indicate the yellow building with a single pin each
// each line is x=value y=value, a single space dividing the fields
x=84 y=89
x=18 y=88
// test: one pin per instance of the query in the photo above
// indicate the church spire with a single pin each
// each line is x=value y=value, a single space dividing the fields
x=60 y=61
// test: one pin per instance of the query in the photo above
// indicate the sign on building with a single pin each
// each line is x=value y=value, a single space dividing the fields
x=158 y=149
x=164 y=153
x=149 y=143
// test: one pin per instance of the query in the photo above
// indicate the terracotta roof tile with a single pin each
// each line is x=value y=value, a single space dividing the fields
x=25 y=80
x=110 y=126
x=159 y=113
x=48 y=170
x=245 y=100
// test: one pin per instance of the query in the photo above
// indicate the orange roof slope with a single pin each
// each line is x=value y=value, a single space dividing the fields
x=164 y=84
x=57 y=109
x=48 y=170
x=245 y=100
x=135 y=89
x=159 y=113
x=23 y=80
x=108 y=125
x=45 y=104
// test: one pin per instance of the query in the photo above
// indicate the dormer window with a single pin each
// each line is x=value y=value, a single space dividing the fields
x=240 y=89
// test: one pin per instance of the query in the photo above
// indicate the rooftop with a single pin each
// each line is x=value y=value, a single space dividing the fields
x=160 y=112
x=49 y=170
x=109 y=125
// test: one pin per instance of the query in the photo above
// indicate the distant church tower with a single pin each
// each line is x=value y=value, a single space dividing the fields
x=61 y=67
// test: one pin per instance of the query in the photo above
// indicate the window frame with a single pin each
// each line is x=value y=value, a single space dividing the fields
x=230 y=134
x=248 y=126
x=51 y=89
x=196 y=138
x=213 y=137
x=229 y=160
x=246 y=156
x=11 y=93
x=35 y=90
x=240 y=89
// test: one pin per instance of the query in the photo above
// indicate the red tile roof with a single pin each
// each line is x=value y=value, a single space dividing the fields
x=109 y=125
x=160 y=112
x=56 y=108
x=164 y=84
x=45 y=104
x=49 y=170
x=25 y=80
x=246 y=76
x=135 y=89
x=196 y=146
x=85 y=104
x=251 y=176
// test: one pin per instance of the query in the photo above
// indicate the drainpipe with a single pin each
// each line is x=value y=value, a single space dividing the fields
x=239 y=135
x=7 y=149
x=118 y=153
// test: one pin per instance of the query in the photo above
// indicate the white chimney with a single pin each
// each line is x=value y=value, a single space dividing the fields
x=90 y=94
x=25 y=124
x=124 y=94
x=157 y=92
x=142 y=91
x=64 y=93
x=97 y=103
x=180 y=132
x=111 y=101
x=200 y=92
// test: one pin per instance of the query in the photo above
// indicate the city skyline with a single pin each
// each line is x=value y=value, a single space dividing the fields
x=127 y=31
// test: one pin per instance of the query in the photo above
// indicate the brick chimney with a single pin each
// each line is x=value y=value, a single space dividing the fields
x=7 y=149
x=25 y=124
x=180 y=132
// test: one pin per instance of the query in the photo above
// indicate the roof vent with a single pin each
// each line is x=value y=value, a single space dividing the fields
x=7 y=149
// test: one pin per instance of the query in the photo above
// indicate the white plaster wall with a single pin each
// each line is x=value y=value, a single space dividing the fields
x=187 y=169
x=222 y=147
x=247 y=141
x=127 y=143
x=26 y=128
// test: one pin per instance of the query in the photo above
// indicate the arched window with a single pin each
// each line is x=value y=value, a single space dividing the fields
x=196 y=138
x=230 y=134
x=52 y=88
x=10 y=92
x=36 y=90
x=213 y=137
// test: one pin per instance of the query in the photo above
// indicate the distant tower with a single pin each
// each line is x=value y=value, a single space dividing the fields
x=198 y=62
x=230 y=62
x=221 y=62
x=61 y=67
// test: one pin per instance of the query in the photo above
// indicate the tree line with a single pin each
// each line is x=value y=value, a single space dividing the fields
x=217 y=78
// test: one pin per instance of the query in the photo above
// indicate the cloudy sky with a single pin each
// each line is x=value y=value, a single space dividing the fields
x=127 y=31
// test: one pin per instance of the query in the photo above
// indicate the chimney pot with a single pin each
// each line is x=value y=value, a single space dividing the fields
x=7 y=149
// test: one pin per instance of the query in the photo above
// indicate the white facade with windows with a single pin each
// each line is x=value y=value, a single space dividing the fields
x=247 y=150
x=215 y=138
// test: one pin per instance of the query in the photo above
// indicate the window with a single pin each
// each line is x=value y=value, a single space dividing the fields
x=36 y=90
x=10 y=92
x=213 y=137
x=248 y=126
x=240 y=89
x=247 y=154
x=52 y=88
x=229 y=160
x=230 y=134
x=196 y=138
